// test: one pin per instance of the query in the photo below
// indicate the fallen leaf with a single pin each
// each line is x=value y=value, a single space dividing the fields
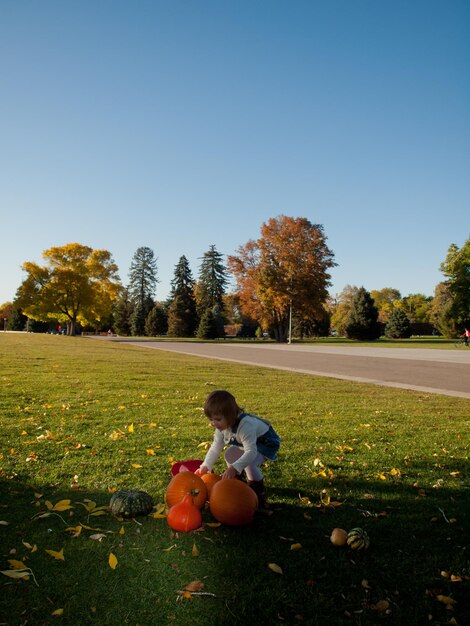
x=4 y=523
x=59 y=556
x=446 y=600
x=98 y=536
x=213 y=524
x=381 y=606
x=296 y=546
x=136 y=465
x=122 y=531
x=14 y=564
x=112 y=561
x=365 y=583
x=14 y=573
x=131 y=428
x=62 y=505
x=195 y=585
x=195 y=551
x=275 y=568
x=186 y=595
x=58 y=612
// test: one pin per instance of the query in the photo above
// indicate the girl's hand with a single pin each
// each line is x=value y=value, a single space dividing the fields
x=230 y=472
x=202 y=469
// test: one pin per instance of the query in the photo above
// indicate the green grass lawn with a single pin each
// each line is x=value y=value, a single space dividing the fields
x=80 y=418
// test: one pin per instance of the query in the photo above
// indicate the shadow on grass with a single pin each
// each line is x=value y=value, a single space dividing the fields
x=413 y=539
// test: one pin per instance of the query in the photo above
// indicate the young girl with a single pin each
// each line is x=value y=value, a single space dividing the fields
x=250 y=440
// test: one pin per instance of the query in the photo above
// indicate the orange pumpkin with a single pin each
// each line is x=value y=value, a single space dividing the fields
x=210 y=480
x=232 y=502
x=183 y=484
x=184 y=516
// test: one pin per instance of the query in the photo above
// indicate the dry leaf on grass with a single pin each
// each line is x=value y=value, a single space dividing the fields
x=59 y=556
x=112 y=561
x=194 y=585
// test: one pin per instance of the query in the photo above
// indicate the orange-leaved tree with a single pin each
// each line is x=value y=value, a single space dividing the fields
x=78 y=284
x=285 y=269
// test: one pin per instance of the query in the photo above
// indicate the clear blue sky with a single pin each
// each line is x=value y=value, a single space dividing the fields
x=181 y=124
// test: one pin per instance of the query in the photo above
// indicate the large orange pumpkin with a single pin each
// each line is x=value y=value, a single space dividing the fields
x=232 y=502
x=186 y=483
x=210 y=480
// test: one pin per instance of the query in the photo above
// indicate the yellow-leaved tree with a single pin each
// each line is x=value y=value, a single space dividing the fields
x=77 y=284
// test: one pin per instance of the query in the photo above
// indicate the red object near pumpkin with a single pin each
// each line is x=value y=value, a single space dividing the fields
x=185 y=466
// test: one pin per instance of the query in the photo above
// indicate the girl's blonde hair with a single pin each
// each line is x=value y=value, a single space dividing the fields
x=222 y=403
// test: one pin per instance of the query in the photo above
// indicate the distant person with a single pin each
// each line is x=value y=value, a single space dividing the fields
x=251 y=441
x=466 y=336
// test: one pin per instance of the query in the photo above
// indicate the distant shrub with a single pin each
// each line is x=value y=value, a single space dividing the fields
x=398 y=325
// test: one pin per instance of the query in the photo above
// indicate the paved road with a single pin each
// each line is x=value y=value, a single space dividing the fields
x=431 y=371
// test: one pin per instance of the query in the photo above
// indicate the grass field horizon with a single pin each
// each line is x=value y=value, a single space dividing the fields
x=81 y=418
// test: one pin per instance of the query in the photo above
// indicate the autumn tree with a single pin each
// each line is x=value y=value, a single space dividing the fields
x=77 y=284
x=340 y=308
x=286 y=267
x=456 y=269
x=182 y=314
x=6 y=312
x=441 y=314
x=363 y=322
x=417 y=306
x=386 y=300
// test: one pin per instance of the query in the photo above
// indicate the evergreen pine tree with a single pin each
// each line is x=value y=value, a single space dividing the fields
x=208 y=326
x=17 y=320
x=143 y=279
x=398 y=325
x=156 y=322
x=138 y=320
x=212 y=281
x=182 y=314
x=210 y=291
x=123 y=310
x=362 y=320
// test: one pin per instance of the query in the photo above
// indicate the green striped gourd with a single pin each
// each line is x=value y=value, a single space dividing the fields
x=130 y=503
x=358 y=539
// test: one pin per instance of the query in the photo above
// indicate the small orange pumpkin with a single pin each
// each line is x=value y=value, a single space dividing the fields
x=232 y=502
x=184 y=516
x=183 y=484
x=209 y=480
